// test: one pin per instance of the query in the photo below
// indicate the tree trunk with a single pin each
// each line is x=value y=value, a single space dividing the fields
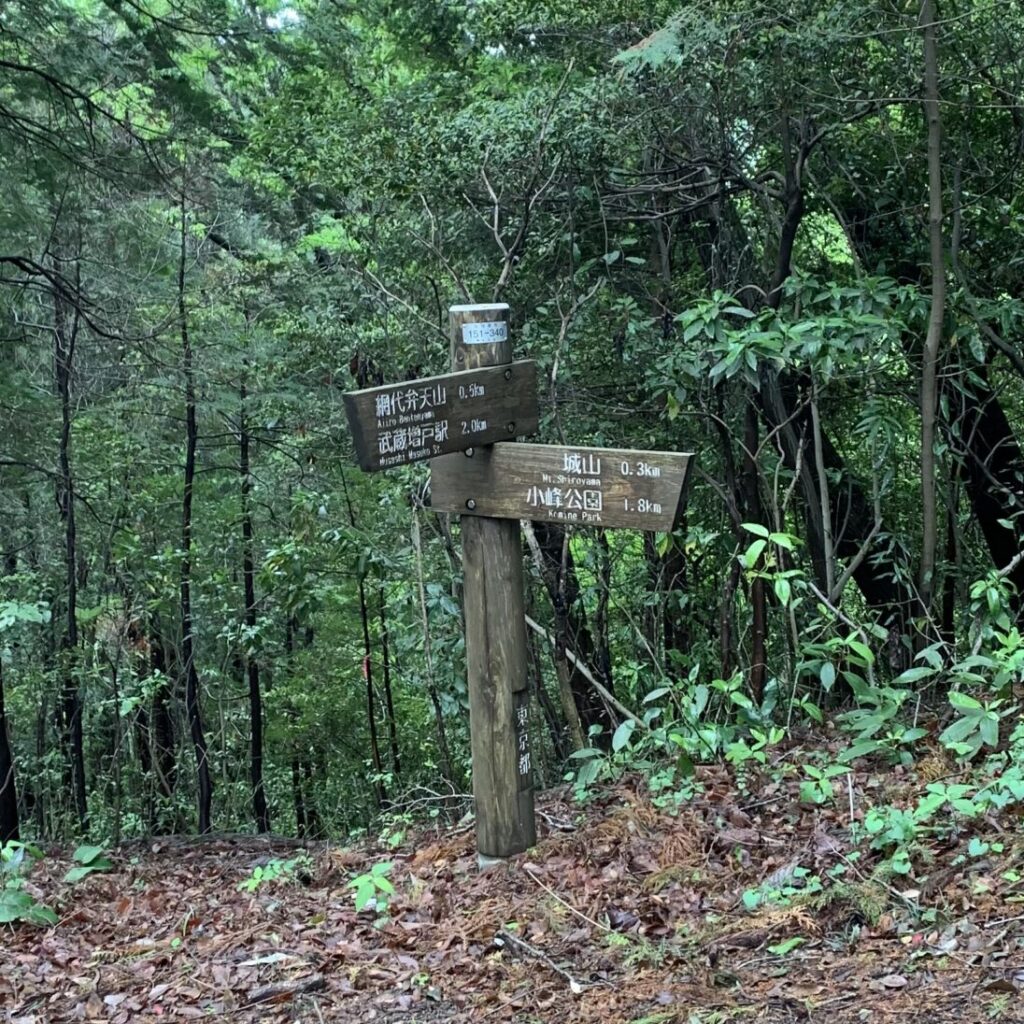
x=755 y=514
x=995 y=473
x=42 y=792
x=297 y=800
x=313 y=825
x=675 y=618
x=8 y=788
x=65 y=335
x=259 y=795
x=570 y=628
x=371 y=701
x=193 y=705
x=602 y=642
x=162 y=722
x=389 y=704
x=548 y=709
x=930 y=360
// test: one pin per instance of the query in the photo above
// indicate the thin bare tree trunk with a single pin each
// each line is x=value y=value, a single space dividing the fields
x=930 y=360
x=8 y=790
x=389 y=703
x=252 y=665
x=371 y=701
x=758 y=597
x=9 y=823
x=65 y=335
x=193 y=705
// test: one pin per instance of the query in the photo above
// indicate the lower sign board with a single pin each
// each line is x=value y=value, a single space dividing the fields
x=421 y=419
x=614 y=487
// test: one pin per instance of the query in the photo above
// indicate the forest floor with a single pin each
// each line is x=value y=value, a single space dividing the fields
x=624 y=912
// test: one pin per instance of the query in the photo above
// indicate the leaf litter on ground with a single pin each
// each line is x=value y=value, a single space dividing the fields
x=636 y=914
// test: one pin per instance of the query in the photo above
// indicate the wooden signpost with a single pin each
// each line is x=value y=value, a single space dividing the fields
x=421 y=419
x=496 y=651
x=489 y=399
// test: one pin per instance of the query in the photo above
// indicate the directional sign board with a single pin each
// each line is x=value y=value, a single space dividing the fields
x=421 y=419
x=615 y=487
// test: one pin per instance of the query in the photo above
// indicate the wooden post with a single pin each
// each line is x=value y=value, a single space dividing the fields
x=496 y=652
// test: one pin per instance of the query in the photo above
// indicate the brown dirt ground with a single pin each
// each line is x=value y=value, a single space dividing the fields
x=624 y=912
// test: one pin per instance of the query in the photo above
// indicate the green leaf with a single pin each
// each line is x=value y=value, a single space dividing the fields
x=861 y=749
x=959 y=730
x=753 y=553
x=586 y=754
x=39 y=913
x=990 y=730
x=621 y=736
x=827 y=676
x=365 y=892
x=655 y=694
x=811 y=793
x=912 y=675
x=756 y=529
x=913 y=735
x=977 y=847
x=782 y=591
x=13 y=904
x=861 y=649
x=787 y=946
x=87 y=854
x=660 y=47
x=813 y=711
x=588 y=773
x=963 y=701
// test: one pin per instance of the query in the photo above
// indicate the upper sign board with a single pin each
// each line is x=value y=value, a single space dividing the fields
x=421 y=419
x=614 y=487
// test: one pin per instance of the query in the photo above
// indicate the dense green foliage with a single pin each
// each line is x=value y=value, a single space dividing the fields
x=711 y=222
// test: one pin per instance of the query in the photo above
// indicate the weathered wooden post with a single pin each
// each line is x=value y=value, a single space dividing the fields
x=496 y=650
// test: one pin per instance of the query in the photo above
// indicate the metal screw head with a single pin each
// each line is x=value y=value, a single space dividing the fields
x=508 y=375
x=468 y=453
x=470 y=504
x=460 y=356
x=511 y=428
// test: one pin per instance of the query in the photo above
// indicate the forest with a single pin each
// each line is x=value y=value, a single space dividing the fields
x=784 y=237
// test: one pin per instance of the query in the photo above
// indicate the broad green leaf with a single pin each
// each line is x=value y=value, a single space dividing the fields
x=964 y=701
x=753 y=553
x=827 y=676
x=621 y=736
x=87 y=854
x=787 y=946
x=861 y=649
x=656 y=694
x=912 y=675
x=959 y=730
